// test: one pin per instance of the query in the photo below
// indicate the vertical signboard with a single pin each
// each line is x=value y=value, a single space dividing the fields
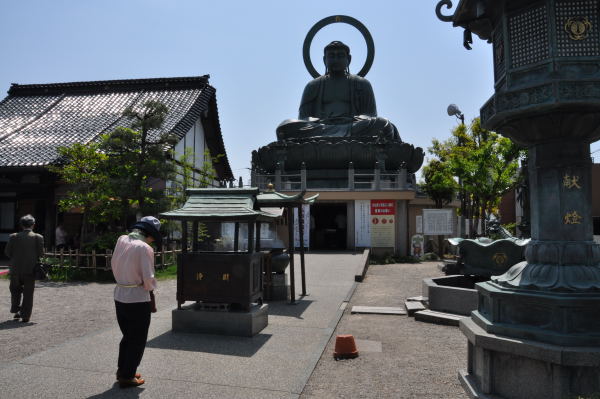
x=419 y=226
x=362 y=223
x=306 y=217
x=383 y=223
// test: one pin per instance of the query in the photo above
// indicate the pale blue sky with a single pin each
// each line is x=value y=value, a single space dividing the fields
x=253 y=53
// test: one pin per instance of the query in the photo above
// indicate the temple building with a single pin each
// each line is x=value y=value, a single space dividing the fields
x=36 y=119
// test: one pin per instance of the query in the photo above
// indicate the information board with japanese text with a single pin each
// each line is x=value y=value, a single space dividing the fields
x=383 y=223
x=438 y=222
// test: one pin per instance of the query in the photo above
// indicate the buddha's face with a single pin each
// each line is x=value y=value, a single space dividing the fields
x=336 y=59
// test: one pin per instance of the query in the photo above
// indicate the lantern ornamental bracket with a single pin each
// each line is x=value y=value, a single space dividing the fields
x=438 y=10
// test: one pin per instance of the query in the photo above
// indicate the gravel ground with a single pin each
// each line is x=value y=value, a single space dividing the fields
x=400 y=357
x=61 y=312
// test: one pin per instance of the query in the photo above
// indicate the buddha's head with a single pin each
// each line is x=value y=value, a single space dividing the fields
x=336 y=57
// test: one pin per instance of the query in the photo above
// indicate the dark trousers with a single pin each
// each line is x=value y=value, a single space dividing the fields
x=134 y=321
x=21 y=286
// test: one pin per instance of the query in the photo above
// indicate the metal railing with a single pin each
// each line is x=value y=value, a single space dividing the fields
x=376 y=181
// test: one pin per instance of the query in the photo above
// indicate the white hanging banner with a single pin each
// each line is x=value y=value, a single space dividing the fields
x=306 y=217
x=362 y=223
x=419 y=226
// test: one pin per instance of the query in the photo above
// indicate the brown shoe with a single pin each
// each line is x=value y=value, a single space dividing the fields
x=137 y=375
x=133 y=382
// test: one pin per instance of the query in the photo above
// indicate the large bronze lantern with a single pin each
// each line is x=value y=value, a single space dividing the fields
x=536 y=333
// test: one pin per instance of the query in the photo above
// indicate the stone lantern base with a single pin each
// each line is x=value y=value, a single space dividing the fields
x=503 y=367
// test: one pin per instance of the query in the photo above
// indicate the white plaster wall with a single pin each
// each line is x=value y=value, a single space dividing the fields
x=195 y=139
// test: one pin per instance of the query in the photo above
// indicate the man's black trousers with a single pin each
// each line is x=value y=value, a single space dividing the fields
x=134 y=321
x=21 y=286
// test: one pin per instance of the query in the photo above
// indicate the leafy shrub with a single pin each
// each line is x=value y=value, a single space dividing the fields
x=392 y=259
x=431 y=256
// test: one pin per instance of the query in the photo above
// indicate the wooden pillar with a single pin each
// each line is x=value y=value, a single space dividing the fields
x=301 y=231
x=184 y=243
x=195 y=236
x=258 y=224
x=184 y=236
x=290 y=211
x=236 y=237
x=250 y=237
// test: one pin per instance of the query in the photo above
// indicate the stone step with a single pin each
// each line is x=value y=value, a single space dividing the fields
x=430 y=316
x=413 y=306
x=398 y=311
x=419 y=298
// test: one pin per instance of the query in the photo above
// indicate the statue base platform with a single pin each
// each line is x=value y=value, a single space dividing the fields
x=558 y=318
x=337 y=153
x=501 y=367
x=243 y=324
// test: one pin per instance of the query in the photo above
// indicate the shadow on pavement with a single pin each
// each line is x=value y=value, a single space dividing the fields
x=15 y=323
x=296 y=310
x=116 y=392
x=217 y=344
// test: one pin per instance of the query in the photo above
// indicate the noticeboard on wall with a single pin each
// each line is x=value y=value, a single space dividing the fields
x=437 y=222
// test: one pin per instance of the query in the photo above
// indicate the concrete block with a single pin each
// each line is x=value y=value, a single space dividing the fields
x=413 y=306
x=398 y=311
x=430 y=316
x=419 y=298
x=244 y=324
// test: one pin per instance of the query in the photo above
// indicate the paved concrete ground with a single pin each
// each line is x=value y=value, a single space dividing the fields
x=398 y=356
x=69 y=349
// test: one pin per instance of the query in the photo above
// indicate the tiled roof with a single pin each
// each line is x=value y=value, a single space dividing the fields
x=233 y=204
x=36 y=119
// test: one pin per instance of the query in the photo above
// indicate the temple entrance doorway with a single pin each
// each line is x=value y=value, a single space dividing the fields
x=328 y=226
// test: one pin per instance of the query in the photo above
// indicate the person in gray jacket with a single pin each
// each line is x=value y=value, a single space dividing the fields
x=24 y=250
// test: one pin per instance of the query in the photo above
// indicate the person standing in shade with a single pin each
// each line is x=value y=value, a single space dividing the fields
x=61 y=237
x=133 y=268
x=24 y=250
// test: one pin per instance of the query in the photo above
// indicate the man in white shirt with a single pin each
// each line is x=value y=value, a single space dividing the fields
x=133 y=268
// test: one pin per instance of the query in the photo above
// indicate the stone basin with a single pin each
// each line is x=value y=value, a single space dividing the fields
x=451 y=294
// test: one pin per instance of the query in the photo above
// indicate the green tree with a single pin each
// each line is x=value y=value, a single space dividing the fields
x=124 y=172
x=136 y=161
x=83 y=169
x=439 y=184
x=486 y=163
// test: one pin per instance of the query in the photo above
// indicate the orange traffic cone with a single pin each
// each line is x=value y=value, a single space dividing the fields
x=345 y=347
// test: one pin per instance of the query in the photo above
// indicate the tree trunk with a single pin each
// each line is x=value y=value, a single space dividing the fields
x=441 y=246
x=82 y=232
